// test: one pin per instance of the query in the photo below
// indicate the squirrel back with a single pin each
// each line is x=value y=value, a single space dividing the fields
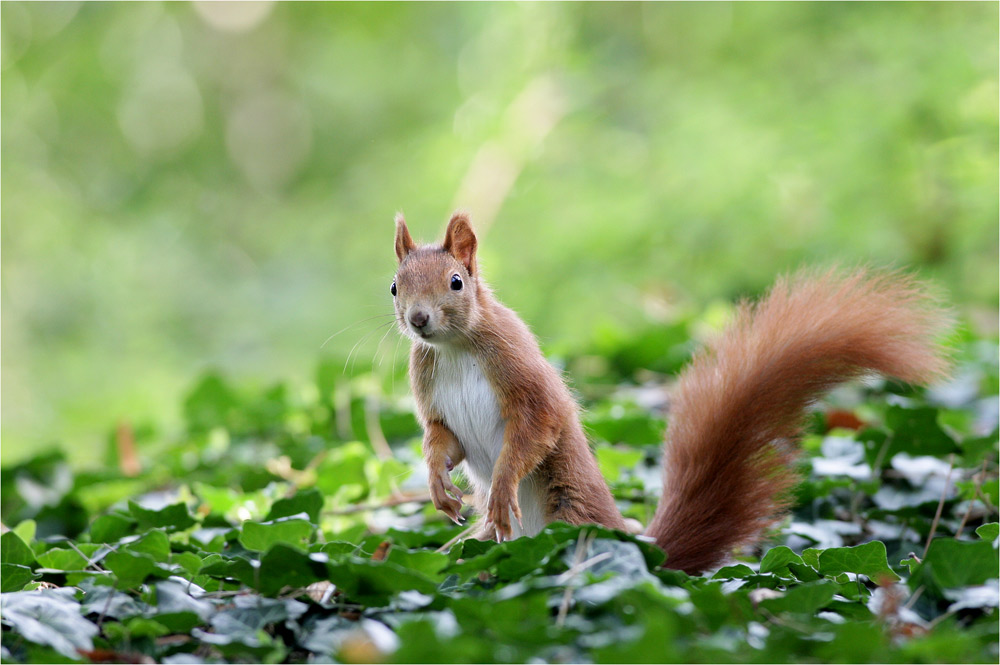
x=738 y=408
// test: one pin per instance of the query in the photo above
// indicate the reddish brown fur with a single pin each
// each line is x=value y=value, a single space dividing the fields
x=543 y=430
x=739 y=405
x=736 y=412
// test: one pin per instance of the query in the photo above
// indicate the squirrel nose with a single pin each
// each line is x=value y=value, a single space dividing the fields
x=419 y=318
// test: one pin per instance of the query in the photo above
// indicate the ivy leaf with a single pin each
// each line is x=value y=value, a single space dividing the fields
x=14 y=550
x=374 y=582
x=131 y=568
x=954 y=563
x=917 y=432
x=810 y=557
x=250 y=614
x=777 y=559
x=868 y=559
x=803 y=572
x=261 y=536
x=139 y=627
x=154 y=543
x=428 y=563
x=737 y=572
x=173 y=598
x=173 y=518
x=189 y=561
x=26 y=530
x=308 y=501
x=99 y=599
x=14 y=576
x=50 y=617
x=989 y=532
x=284 y=565
x=111 y=527
x=803 y=598
x=59 y=558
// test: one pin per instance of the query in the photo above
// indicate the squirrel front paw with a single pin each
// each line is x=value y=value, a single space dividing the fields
x=446 y=496
x=498 y=512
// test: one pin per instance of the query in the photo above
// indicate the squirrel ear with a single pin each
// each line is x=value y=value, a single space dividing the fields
x=460 y=241
x=404 y=243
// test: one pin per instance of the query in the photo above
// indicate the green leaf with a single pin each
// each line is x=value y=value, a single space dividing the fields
x=59 y=558
x=139 y=627
x=916 y=431
x=430 y=535
x=810 y=557
x=739 y=571
x=974 y=449
x=374 y=582
x=26 y=530
x=131 y=568
x=428 y=563
x=954 y=563
x=989 y=532
x=261 y=536
x=308 y=501
x=173 y=518
x=868 y=559
x=14 y=550
x=285 y=566
x=802 y=598
x=777 y=559
x=189 y=561
x=111 y=527
x=803 y=572
x=336 y=550
x=14 y=576
x=154 y=543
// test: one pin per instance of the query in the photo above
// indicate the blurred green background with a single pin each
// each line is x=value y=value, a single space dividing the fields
x=188 y=186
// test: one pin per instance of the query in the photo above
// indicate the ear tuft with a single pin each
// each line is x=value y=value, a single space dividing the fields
x=460 y=241
x=404 y=243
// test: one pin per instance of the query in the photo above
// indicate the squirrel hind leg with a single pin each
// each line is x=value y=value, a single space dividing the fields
x=566 y=504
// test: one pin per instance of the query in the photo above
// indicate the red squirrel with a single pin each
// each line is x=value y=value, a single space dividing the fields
x=487 y=398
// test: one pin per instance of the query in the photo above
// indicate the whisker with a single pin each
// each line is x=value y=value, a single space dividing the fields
x=377 y=316
x=378 y=350
x=434 y=365
x=395 y=352
x=369 y=334
x=355 y=362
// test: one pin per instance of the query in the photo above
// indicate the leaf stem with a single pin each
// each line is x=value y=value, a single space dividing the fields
x=940 y=507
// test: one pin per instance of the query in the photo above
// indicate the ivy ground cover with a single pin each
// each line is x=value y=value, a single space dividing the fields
x=293 y=525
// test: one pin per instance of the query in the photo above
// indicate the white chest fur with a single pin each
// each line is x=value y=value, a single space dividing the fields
x=470 y=409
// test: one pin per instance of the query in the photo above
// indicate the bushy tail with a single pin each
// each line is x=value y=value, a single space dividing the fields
x=738 y=407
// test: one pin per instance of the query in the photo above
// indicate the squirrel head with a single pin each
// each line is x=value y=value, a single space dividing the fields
x=436 y=286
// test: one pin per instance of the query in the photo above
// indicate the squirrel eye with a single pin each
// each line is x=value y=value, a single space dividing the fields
x=456 y=283
x=392 y=289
